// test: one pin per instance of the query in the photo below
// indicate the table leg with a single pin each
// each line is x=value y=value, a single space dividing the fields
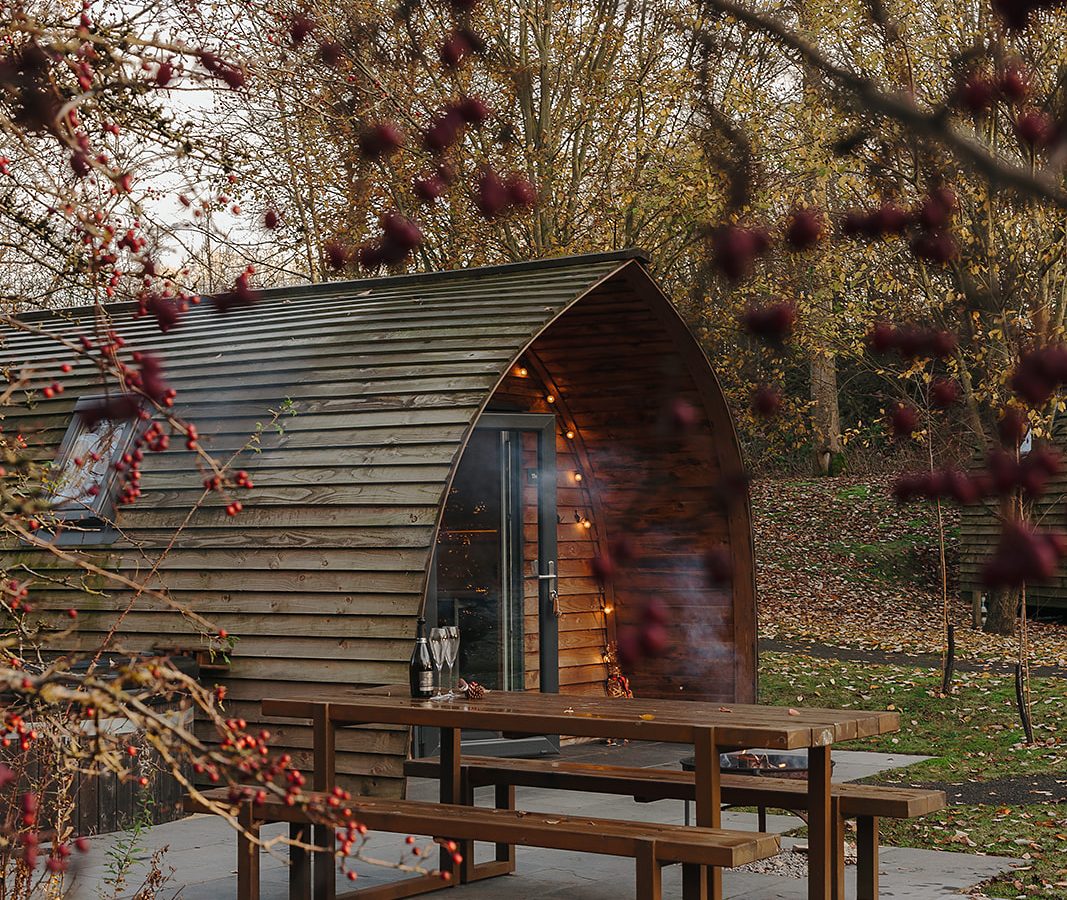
x=837 y=845
x=452 y=792
x=820 y=824
x=708 y=810
x=324 y=779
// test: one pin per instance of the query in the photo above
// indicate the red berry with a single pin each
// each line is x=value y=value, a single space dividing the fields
x=773 y=323
x=904 y=421
x=520 y=192
x=1014 y=84
x=1035 y=128
x=766 y=401
x=455 y=48
x=805 y=229
x=300 y=28
x=490 y=195
x=977 y=93
x=944 y=392
x=381 y=140
x=429 y=187
x=473 y=110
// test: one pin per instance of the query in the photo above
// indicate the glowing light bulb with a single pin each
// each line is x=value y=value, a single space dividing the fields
x=550 y=398
x=523 y=371
x=586 y=523
x=577 y=476
x=609 y=609
x=570 y=435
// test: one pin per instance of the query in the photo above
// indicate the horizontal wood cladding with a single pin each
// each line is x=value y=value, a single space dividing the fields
x=322 y=574
x=622 y=387
x=320 y=578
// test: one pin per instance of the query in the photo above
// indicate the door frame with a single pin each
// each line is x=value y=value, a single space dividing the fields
x=545 y=426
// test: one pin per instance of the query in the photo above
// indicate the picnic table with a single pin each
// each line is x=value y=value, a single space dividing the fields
x=709 y=728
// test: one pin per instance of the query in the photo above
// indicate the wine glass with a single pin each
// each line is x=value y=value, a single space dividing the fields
x=451 y=653
x=439 y=648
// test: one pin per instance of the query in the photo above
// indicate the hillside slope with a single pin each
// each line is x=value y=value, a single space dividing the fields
x=839 y=562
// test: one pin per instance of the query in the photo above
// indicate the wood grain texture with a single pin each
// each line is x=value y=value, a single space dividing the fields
x=323 y=573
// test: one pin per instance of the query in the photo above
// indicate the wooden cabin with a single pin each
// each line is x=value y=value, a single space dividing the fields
x=433 y=441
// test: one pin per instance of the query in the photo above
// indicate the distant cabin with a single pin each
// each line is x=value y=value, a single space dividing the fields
x=980 y=527
x=466 y=443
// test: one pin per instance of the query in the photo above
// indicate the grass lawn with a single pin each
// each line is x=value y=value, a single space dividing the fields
x=974 y=735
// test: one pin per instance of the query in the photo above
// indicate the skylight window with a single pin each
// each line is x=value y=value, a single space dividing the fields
x=84 y=480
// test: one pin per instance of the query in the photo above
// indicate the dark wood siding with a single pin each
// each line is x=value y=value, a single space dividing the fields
x=322 y=575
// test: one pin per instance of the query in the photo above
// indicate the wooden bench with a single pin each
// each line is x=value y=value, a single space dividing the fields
x=651 y=846
x=863 y=802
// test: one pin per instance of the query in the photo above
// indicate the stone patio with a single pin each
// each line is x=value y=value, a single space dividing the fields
x=201 y=849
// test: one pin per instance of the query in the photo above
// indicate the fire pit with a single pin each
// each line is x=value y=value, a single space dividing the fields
x=758 y=762
x=772 y=763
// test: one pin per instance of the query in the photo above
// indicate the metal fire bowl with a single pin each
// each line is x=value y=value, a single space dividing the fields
x=772 y=763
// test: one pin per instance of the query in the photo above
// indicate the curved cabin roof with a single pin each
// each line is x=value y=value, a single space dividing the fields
x=379 y=384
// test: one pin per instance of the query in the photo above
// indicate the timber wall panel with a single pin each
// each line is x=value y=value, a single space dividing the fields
x=321 y=576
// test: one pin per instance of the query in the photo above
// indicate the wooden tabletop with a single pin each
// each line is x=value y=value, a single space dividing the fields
x=530 y=712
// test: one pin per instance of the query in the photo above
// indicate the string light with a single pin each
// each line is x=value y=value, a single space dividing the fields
x=609 y=610
x=523 y=371
x=578 y=476
x=550 y=398
x=569 y=434
x=586 y=524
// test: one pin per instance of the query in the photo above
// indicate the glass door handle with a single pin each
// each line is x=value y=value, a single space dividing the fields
x=553 y=593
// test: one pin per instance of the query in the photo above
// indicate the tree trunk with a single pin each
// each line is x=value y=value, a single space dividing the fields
x=825 y=411
x=1002 y=610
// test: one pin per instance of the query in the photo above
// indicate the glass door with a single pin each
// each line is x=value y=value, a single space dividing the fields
x=494 y=571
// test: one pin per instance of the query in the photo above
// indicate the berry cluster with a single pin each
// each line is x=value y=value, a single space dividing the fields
x=773 y=323
x=735 y=249
x=911 y=342
x=650 y=638
x=1024 y=554
x=1039 y=373
x=928 y=222
x=1002 y=476
x=494 y=195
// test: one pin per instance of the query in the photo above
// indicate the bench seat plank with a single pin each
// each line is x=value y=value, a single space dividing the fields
x=672 y=784
x=610 y=837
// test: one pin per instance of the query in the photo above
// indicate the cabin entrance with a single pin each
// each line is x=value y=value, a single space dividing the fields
x=494 y=572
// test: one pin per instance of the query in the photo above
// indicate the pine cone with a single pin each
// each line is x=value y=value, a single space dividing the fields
x=475 y=691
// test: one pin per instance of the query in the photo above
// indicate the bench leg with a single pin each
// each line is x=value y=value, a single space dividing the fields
x=694 y=882
x=299 y=864
x=247 y=854
x=649 y=875
x=504 y=862
x=322 y=872
x=505 y=799
x=837 y=848
x=867 y=858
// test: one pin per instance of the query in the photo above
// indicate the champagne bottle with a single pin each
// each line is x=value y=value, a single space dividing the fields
x=421 y=669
